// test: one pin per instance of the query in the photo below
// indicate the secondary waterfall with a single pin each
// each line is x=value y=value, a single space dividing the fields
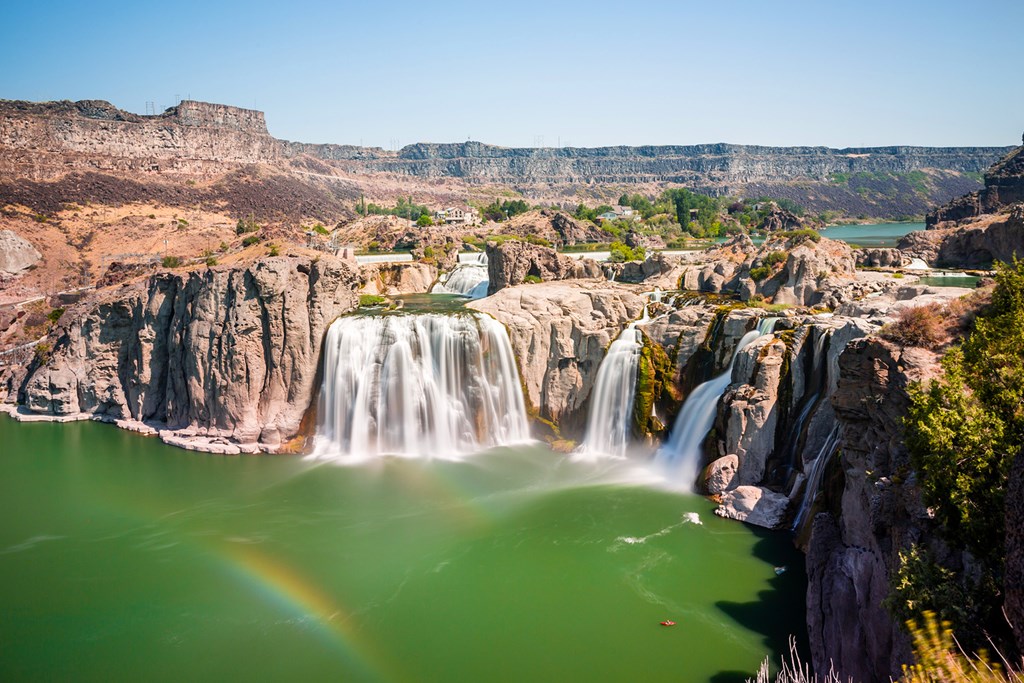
x=418 y=385
x=813 y=481
x=917 y=264
x=682 y=454
x=469 y=278
x=611 y=409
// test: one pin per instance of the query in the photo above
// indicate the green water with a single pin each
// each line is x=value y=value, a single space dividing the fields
x=123 y=559
x=873 y=235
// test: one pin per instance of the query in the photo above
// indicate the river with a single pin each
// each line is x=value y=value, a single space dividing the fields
x=125 y=559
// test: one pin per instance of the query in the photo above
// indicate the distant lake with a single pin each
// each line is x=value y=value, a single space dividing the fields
x=871 y=235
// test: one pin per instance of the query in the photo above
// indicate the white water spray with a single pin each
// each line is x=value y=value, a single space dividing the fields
x=429 y=385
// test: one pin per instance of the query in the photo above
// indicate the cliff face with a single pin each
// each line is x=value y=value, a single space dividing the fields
x=226 y=353
x=874 y=510
x=1004 y=186
x=38 y=138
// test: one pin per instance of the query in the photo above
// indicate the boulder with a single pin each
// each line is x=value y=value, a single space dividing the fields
x=719 y=474
x=753 y=505
x=389 y=279
x=880 y=258
x=16 y=254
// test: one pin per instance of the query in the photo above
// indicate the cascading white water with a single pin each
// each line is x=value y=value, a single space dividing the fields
x=681 y=456
x=419 y=386
x=917 y=264
x=611 y=409
x=469 y=278
x=813 y=480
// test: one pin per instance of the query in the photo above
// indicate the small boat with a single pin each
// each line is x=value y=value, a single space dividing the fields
x=668 y=622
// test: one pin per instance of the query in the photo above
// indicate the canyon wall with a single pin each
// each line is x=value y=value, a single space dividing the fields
x=223 y=359
x=196 y=131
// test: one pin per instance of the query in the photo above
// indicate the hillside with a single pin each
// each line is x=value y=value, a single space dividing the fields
x=53 y=152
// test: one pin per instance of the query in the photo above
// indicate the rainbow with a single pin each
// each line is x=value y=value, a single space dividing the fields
x=292 y=593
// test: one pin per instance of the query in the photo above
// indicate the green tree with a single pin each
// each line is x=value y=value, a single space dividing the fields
x=424 y=221
x=963 y=432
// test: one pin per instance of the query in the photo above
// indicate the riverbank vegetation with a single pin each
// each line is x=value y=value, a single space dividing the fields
x=964 y=431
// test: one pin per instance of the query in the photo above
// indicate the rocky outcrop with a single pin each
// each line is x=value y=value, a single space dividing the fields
x=880 y=258
x=16 y=254
x=557 y=227
x=560 y=332
x=779 y=219
x=974 y=245
x=873 y=514
x=390 y=279
x=512 y=262
x=794 y=270
x=1004 y=186
x=221 y=359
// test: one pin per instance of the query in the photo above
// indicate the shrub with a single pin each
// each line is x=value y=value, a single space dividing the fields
x=620 y=253
x=40 y=218
x=424 y=221
x=760 y=273
x=152 y=216
x=211 y=261
x=275 y=250
x=897 y=276
x=428 y=252
x=321 y=230
x=243 y=227
x=54 y=315
x=223 y=247
x=774 y=257
x=532 y=279
x=250 y=240
x=798 y=236
x=372 y=300
x=42 y=352
x=924 y=326
x=373 y=246
x=170 y=262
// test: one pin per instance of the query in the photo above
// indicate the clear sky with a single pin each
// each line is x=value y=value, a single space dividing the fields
x=774 y=72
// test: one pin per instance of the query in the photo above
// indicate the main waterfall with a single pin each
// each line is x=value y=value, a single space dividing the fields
x=682 y=454
x=418 y=385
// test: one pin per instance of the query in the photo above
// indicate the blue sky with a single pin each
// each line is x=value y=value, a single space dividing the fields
x=835 y=73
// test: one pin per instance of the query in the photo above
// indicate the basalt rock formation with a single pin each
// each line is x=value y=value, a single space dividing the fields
x=874 y=511
x=795 y=270
x=512 y=262
x=559 y=333
x=44 y=142
x=1004 y=186
x=222 y=359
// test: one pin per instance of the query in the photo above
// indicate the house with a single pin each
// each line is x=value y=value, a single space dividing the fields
x=460 y=215
x=624 y=212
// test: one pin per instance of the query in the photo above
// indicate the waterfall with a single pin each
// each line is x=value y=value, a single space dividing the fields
x=812 y=482
x=469 y=278
x=682 y=454
x=418 y=385
x=611 y=409
x=917 y=264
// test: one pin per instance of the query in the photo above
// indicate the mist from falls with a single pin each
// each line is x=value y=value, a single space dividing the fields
x=426 y=385
x=682 y=456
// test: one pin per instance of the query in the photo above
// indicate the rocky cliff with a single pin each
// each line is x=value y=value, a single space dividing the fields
x=44 y=141
x=873 y=510
x=221 y=359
